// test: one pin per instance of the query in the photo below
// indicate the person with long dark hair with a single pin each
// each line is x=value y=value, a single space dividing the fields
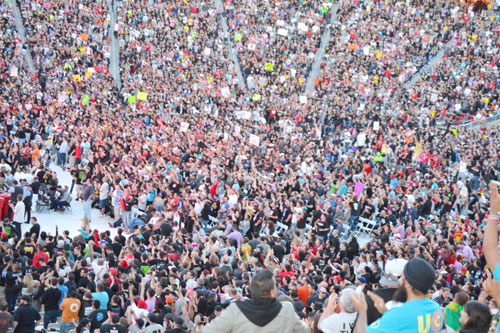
x=353 y=248
x=83 y=326
x=475 y=318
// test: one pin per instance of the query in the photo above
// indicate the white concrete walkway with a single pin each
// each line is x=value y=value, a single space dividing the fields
x=114 y=58
x=21 y=32
x=325 y=40
x=232 y=53
x=71 y=221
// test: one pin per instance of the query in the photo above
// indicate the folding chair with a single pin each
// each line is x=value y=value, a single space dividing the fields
x=366 y=226
x=68 y=209
x=42 y=206
x=346 y=232
x=53 y=327
x=212 y=222
x=281 y=228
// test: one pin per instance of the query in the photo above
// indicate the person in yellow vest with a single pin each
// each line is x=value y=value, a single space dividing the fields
x=70 y=307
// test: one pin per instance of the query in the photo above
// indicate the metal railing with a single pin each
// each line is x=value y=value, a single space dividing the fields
x=481 y=122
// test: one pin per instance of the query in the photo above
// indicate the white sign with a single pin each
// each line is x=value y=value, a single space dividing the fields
x=282 y=32
x=225 y=91
x=303 y=99
x=207 y=52
x=61 y=98
x=14 y=71
x=302 y=27
x=243 y=115
x=246 y=115
x=184 y=126
x=254 y=140
x=376 y=126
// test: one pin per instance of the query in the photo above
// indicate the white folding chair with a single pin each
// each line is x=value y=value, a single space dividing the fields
x=212 y=222
x=245 y=226
x=345 y=232
x=366 y=226
x=281 y=228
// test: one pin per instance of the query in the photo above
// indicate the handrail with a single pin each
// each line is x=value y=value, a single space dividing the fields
x=480 y=122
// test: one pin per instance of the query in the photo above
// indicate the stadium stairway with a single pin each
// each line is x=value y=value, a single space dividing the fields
x=21 y=32
x=427 y=67
x=430 y=65
x=114 y=60
x=232 y=54
x=325 y=40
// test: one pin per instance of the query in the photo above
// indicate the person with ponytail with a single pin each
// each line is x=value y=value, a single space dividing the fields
x=83 y=326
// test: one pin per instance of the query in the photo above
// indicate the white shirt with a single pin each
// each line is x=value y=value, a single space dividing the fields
x=104 y=191
x=143 y=201
x=338 y=322
x=5 y=166
x=19 y=211
x=64 y=147
x=98 y=270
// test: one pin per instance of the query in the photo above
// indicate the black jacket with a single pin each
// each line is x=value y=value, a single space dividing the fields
x=50 y=298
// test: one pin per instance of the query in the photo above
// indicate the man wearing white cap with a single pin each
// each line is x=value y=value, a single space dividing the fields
x=389 y=281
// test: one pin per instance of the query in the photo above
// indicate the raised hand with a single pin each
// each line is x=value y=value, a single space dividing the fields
x=494 y=198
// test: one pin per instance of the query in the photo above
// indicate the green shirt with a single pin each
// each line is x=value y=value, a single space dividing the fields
x=453 y=315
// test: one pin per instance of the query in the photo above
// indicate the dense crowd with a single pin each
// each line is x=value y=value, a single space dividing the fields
x=251 y=206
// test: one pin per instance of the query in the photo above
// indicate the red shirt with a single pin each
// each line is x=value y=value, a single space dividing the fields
x=78 y=152
x=284 y=273
x=39 y=255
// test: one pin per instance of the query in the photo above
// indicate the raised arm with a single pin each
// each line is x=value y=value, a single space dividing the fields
x=329 y=308
x=490 y=244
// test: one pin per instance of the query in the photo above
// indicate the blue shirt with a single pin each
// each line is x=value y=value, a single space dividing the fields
x=64 y=292
x=103 y=297
x=422 y=315
x=496 y=273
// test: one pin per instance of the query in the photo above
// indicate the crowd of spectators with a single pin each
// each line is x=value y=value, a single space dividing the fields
x=250 y=206
x=382 y=59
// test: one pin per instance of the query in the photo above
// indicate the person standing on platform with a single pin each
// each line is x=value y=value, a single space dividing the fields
x=19 y=210
x=88 y=194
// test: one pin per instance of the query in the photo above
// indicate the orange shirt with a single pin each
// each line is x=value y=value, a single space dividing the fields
x=36 y=155
x=303 y=293
x=70 y=307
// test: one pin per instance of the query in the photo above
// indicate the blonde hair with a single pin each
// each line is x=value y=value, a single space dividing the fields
x=28 y=281
x=85 y=220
